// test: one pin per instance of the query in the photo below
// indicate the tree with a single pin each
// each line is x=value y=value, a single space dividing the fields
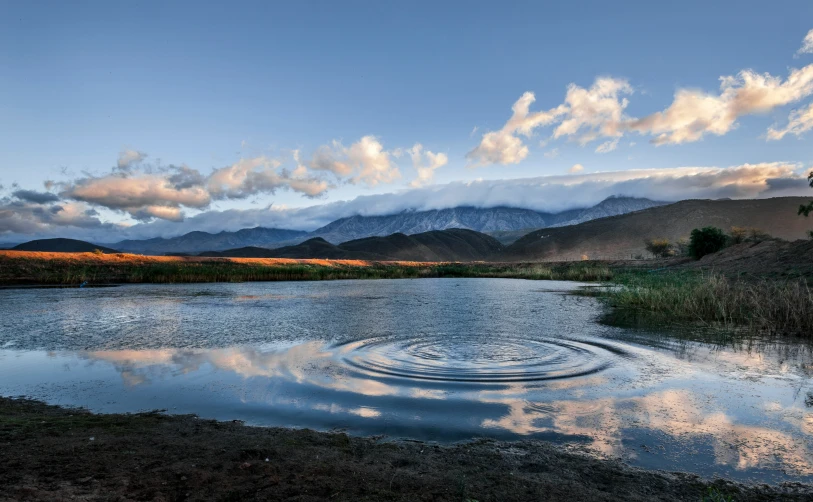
x=807 y=209
x=660 y=247
x=705 y=241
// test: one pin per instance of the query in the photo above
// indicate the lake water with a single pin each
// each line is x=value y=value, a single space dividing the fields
x=428 y=359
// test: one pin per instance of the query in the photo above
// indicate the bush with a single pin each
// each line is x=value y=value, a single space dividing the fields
x=705 y=241
x=747 y=234
x=660 y=247
x=98 y=251
x=682 y=247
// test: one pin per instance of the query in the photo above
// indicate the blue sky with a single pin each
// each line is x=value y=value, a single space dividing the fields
x=206 y=85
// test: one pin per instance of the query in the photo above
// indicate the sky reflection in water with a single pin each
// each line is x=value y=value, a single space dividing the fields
x=428 y=359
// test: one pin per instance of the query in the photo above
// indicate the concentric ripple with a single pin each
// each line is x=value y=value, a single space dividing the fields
x=478 y=359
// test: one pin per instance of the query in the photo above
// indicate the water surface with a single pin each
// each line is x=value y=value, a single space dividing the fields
x=429 y=359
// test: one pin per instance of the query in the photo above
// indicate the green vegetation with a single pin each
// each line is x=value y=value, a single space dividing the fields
x=806 y=209
x=715 y=495
x=705 y=241
x=761 y=306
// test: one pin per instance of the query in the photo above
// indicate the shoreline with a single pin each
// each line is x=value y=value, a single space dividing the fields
x=50 y=452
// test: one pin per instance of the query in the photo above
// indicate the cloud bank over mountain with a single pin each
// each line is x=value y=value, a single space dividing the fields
x=21 y=216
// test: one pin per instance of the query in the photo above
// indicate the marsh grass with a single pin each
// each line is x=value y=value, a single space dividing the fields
x=760 y=306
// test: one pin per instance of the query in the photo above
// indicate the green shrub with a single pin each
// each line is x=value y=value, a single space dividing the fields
x=705 y=241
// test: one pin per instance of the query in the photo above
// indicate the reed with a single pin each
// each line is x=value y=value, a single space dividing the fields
x=763 y=305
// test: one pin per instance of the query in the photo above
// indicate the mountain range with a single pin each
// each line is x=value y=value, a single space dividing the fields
x=196 y=242
x=453 y=244
x=505 y=223
x=609 y=238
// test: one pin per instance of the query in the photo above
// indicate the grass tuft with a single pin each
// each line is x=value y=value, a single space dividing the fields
x=762 y=306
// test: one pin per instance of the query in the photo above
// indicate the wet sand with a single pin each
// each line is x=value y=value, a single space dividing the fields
x=53 y=453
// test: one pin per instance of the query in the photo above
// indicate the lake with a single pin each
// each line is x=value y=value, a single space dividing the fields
x=428 y=359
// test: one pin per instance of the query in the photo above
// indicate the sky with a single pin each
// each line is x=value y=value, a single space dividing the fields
x=142 y=119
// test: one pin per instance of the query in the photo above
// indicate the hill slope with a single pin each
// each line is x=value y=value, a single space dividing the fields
x=622 y=237
x=437 y=245
x=61 y=246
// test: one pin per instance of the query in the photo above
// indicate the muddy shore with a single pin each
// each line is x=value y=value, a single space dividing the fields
x=53 y=453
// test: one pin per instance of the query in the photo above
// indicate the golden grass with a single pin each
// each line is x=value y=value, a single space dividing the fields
x=128 y=258
x=21 y=267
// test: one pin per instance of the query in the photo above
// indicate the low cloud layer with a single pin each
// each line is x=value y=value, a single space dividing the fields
x=547 y=193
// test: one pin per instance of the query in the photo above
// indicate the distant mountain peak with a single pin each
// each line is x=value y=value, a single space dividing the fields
x=406 y=222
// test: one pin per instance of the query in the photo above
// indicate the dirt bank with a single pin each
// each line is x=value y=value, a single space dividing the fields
x=771 y=259
x=51 y=453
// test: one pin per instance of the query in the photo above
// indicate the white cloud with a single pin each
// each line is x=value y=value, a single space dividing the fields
x=371 y=162
x=135 y=194
x=595 y=112
x=504 y=146
x=694 y=113
x=365 y=161
x=607 y=146
x=147 y=192
x=799 y=122
x=128 y=158
x=261 y=175
x=807 y=45
x=552 y=154
x=425 y=163
x=577 y=168
x=585 y=115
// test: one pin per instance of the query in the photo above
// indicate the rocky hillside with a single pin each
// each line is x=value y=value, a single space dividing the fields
x=507 y=222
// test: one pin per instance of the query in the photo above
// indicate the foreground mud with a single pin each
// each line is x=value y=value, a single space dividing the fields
x=51 y=453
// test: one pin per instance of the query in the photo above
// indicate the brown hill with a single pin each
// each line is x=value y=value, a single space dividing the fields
x=622 y=237
x=61 y=246
x=438 y=245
